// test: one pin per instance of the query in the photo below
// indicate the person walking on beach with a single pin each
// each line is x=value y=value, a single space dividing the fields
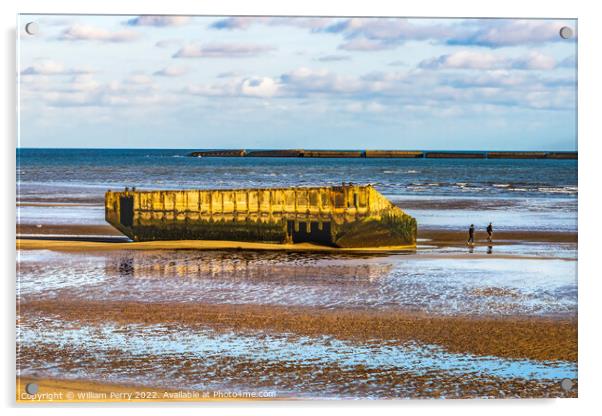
x=471 y=234
x=489 y=232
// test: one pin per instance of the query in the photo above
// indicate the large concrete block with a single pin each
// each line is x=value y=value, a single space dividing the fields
x=343 y=216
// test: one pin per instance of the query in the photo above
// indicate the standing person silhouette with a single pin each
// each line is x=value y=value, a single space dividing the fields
x=471 y=234
x=489 y=232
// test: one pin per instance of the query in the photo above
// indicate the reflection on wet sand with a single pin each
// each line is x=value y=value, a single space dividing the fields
x=249 y=265
x=432 y=284
x=302 y=324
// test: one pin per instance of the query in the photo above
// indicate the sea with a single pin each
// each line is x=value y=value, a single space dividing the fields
x=440 y=193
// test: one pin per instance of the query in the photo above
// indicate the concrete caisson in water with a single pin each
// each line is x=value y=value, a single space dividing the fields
x=344 y=216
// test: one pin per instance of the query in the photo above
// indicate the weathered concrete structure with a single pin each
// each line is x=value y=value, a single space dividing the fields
x=397 y=154
x=221 y=153
x=455 y=155
x=340 y=216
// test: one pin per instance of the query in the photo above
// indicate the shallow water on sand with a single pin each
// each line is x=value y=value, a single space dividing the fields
x=432 y=284
x=202 y=356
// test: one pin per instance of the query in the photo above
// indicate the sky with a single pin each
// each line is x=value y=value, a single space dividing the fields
x=296 y=82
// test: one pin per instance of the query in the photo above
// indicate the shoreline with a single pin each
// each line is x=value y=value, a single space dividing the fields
x=103 y=244
x=430 y=236
x=72 y=245
x=98 y=243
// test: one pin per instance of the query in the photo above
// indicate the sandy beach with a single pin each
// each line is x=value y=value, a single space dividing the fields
x=65 y=245
x=439 y=319
x=514 y=335
x=545 y=338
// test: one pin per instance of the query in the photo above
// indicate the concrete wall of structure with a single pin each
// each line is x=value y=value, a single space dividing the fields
x=245 y=214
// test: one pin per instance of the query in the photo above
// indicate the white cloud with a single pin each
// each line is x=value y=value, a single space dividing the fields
x=220 y=50
x=89 y=93
x=496 y=33
x=159 y=21
x=243 y=23
x=397 y=63
x=375 y=34
x=237 y=23
x=333 y=58
x=228 y=74
x=366 y=45
x=374 y=92
x=168 y=43
x=229 y=89
x=171 y=71
x=389 y=28
x=534 y=60
x=365 y=107
x=469 y=59
x=259 y=87
x=463 y=60
x=83 y=83
x=49 y=67
x=80 y=32
x=315 y=24
x=83 y=90
x=369 y=34
x=496 y=88
x=304 y=80
x=139 y=79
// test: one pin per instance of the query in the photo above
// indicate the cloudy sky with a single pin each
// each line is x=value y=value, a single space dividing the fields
x=267 y=82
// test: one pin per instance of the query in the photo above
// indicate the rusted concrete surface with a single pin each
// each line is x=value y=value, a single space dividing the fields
x=340 y=216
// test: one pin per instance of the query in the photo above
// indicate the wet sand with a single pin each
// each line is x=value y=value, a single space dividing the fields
x=72 y=229
x=82 y=391
x=549 y=339
x=64 y=245
x=435 y=236
x=440 y=237
x=352 y=384
x=539 y=338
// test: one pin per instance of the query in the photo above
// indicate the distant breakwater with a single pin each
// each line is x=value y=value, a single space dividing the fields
x=384 y=154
